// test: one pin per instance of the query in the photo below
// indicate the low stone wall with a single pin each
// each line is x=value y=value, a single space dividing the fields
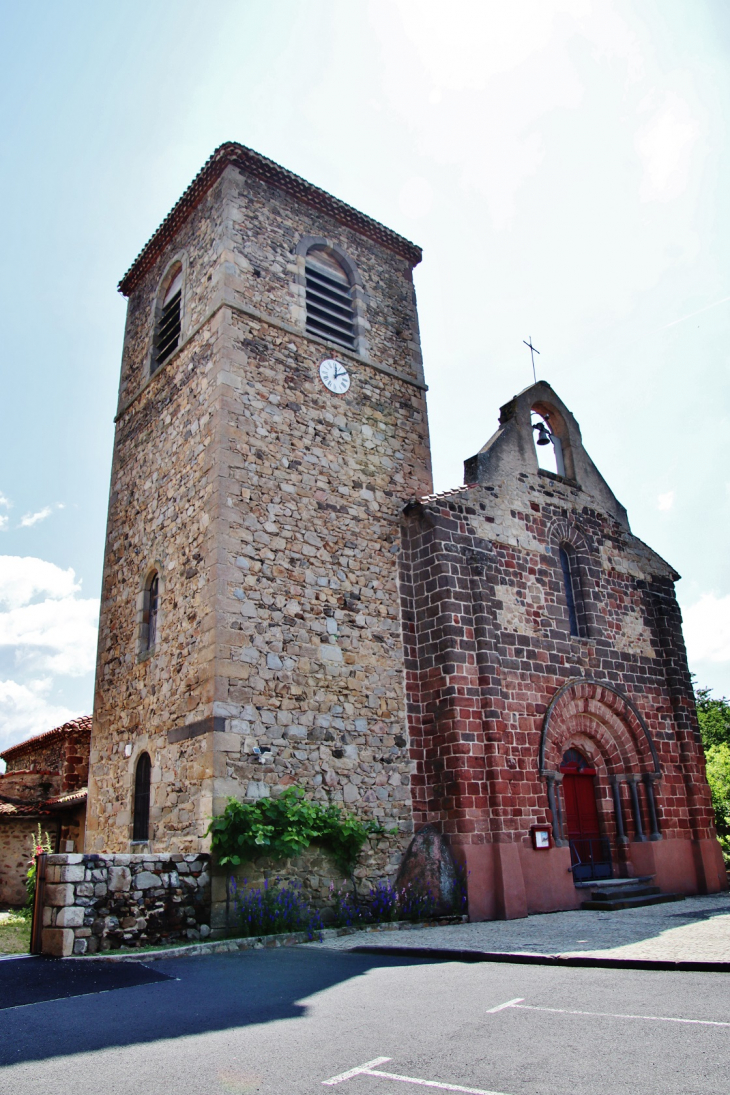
x=98 y=903
x=314 y=871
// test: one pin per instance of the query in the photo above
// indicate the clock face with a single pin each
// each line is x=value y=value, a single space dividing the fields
x=334 y=376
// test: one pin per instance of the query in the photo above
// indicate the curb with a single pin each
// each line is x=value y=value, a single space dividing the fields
x=255 y=942
x=524 y=958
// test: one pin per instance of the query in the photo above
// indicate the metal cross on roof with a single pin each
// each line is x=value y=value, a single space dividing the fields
x=533 y=351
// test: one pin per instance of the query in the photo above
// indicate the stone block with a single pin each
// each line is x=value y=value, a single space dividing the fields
x=145 y=880
x=57 y=942
x=59 y=894
x=73 y=873
x=80 y=946
x=70 y=917
x=228 y=743
x=120 y=879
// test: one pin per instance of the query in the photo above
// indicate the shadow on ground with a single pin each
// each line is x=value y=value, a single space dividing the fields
x=121 y=1004
x=582 y=932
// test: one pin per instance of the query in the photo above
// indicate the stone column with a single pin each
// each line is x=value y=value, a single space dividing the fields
x=621 y=837
x=651 y=803
x=636 y=808
x=553 y=780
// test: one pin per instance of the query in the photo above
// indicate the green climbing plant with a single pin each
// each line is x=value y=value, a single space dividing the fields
x=284 y=826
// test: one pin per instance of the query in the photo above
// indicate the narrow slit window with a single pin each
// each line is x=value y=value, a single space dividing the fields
x=571 y=583
x=168 y=331
x=330 y=308
x=153 y=603
x=141 y=825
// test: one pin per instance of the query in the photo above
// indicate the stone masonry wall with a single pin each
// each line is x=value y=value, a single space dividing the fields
x=26 y=785
x=273 y=508
x=16 y=845
x=99 y=903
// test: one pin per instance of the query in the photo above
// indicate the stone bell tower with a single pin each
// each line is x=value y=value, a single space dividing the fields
x=271 y=420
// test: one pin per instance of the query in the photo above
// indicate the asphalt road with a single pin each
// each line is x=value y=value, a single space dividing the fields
x=284 y=1022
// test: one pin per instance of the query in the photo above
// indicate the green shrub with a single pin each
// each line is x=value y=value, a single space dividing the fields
x=283 y=827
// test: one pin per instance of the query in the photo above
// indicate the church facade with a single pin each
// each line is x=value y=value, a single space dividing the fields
x=551 y=712
x=286 y=603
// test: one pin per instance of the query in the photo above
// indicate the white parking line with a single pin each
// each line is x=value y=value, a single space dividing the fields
x=368 y=1070
x=355 y=1071
x=509 y=1004
x=517 y=1003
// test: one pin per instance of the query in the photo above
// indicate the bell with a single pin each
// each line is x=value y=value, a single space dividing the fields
x=543 y=434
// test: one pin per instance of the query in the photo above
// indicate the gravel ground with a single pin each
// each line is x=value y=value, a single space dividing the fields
x=697 y=929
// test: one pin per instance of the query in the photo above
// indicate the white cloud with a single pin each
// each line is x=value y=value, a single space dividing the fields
x=50 y=631
x=5 y=502
x=55 y=636
x=3 y=521
x=665 y=501
x=28 y=710
x=664 y=146
x=707 y=629
x=23 y=578
x=31 y=519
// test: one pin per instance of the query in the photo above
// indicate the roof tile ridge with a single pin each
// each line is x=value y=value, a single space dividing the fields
x=82 y=722
x=231 y=152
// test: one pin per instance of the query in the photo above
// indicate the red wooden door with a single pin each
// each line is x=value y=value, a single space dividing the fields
x=581 y=813
x=589 y=853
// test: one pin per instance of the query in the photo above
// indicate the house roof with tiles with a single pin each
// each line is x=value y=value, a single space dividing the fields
x=47 y=808
x=31 y=744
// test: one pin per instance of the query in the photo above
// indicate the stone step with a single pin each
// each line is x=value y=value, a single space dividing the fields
x=618 y=894
x=614 y=903
x=614 y=883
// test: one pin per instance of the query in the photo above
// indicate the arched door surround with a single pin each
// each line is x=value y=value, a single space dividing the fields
x=608 y=730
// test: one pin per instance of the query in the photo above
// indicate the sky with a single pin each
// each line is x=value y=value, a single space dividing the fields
x=563 y=163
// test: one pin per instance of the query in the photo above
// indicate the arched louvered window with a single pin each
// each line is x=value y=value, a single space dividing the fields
x=141 y=825
x=169 y=326
x=573 y=594
x=330 y=308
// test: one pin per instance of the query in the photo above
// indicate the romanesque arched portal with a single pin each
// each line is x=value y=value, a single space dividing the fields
x=599 y=723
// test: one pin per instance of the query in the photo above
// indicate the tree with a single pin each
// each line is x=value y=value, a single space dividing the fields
x=714 y=719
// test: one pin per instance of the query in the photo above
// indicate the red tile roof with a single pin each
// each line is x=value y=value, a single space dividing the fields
x=47 y=808
x=252 y=163
x=83 y=723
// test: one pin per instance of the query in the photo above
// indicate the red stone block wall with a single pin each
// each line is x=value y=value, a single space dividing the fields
x=487 y=649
